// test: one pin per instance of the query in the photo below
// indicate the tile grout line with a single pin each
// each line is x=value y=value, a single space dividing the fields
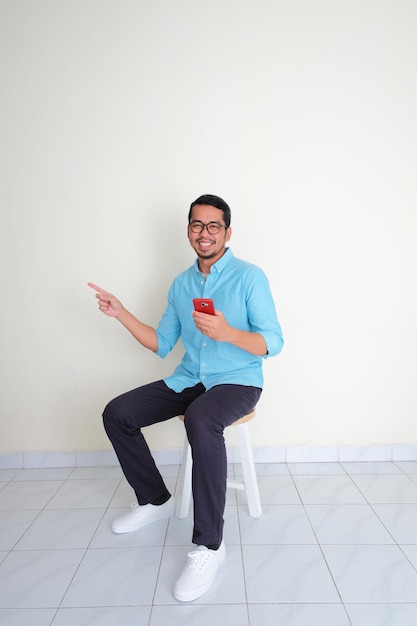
x=321 y=550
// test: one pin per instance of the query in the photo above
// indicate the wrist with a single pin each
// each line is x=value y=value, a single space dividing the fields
x=122 y=314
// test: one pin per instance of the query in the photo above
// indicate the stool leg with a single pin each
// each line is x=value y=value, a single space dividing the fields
x=248 y=468
x=182 y=507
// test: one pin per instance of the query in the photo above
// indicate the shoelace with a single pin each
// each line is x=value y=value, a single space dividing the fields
x=198 y=559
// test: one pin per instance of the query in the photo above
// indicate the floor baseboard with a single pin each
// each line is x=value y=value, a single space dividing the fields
x=262 y=454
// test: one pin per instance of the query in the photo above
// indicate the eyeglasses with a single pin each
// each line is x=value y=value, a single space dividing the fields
x=213 y=228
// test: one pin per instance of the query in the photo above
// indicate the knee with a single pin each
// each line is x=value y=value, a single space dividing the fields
x=200 y=426
x=112 y=413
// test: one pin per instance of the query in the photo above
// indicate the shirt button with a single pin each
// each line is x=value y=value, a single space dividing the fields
x=204 y=345
x=203 y=364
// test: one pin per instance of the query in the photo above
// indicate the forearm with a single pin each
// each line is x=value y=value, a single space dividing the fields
x=251 y=342
x=146 y=335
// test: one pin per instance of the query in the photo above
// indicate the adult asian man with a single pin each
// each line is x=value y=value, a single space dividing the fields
x=217 y=382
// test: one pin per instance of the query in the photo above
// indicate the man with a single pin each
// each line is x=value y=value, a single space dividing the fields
x=217 y=382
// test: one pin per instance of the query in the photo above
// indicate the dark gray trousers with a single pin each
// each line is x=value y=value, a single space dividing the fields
x=207 y=414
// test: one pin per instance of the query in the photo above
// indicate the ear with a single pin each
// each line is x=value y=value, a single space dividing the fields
x=228 y=233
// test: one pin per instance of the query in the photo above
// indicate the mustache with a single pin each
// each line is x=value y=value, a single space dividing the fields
x=206 y=239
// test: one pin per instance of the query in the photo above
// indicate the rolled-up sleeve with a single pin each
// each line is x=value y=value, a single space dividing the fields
x=262 y=314
x=169 y=328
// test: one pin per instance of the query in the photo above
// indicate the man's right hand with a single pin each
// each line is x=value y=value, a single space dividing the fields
x=107 y=303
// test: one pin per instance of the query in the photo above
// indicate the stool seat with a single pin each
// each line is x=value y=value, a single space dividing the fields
x=249 y=484
x=241 y=420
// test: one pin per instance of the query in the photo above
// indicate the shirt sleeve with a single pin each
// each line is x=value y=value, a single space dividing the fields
x=262 y=315
x=169 y=328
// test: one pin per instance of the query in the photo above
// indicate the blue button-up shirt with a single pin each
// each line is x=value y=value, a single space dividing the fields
x=241 y=292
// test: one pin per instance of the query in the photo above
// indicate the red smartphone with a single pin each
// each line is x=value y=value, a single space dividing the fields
x=204 y=305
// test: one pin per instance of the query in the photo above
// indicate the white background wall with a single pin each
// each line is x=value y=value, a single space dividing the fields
x=115 y=115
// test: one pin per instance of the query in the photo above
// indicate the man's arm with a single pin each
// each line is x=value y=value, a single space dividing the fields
x=216 y=327
x=111 y=306
x=251 y=342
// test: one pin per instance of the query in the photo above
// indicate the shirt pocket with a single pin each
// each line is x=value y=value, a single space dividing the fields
x=233 y=306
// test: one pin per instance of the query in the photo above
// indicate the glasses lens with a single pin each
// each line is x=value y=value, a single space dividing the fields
x=196 y=227
x=213 y=228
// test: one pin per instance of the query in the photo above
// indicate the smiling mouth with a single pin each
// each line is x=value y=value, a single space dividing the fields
x=205 y=244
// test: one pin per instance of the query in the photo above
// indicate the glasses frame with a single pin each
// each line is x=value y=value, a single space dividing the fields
x=202 y=226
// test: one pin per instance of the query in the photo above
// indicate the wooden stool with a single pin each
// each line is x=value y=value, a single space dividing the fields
x=249 y=484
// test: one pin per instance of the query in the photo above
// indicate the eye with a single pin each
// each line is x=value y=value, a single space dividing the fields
x=213 y=228
x=196 y=227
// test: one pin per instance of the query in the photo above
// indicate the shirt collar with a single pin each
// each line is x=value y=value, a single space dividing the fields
x=220 y=265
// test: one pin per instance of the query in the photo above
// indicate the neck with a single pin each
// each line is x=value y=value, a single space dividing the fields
x=204 y=267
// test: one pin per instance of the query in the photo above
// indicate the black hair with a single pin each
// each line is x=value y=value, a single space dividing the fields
x=215 y=201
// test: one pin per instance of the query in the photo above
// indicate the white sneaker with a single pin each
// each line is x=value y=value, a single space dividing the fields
x=198 y=575
x=141 y=515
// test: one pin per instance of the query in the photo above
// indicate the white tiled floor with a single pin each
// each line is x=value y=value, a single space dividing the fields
x=336 y=546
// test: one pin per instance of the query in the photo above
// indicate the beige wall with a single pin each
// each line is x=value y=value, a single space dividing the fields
x=116 y=114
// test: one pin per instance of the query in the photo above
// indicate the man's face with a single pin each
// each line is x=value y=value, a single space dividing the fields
x=208 y=246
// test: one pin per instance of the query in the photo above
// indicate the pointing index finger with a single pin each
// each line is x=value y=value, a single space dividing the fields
x=97 y=288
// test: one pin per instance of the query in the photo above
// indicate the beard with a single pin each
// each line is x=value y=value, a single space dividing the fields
x=208 y=249
x=207 y=254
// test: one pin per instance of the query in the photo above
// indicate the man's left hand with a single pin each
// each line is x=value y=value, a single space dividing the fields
x=214 y=326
